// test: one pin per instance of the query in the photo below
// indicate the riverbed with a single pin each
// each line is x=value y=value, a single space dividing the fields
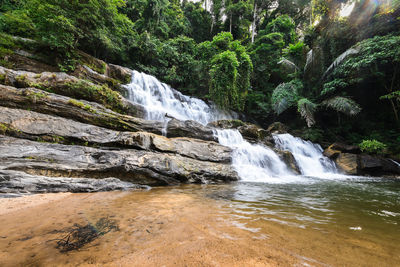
x=308 y=221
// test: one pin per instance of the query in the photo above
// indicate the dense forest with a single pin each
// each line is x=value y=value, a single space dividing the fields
x=328 y=68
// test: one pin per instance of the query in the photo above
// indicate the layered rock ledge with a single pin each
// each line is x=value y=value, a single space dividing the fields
x=131 y=165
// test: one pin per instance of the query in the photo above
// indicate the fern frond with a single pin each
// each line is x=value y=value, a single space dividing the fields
x=343 y=104
x=306 y=108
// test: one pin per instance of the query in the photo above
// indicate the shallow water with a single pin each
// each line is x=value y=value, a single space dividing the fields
x=307 y=222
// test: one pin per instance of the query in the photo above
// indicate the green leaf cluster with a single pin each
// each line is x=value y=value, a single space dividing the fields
x=372 y=146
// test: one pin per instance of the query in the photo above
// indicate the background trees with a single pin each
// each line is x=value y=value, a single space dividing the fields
x=303 y=62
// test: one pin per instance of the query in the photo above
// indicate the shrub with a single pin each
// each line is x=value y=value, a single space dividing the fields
x=372 y=146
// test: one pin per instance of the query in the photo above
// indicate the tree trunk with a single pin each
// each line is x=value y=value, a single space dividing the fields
x=253 y=27
x=396 y=116
x=230 y=24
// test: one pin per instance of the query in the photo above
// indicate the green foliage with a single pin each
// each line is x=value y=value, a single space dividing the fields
x=313 y=134
x=222 y=40
x=374 y=54
x=265 y=54
x=284 y=25
x=7 y=45
x=199 y=21
x=17 y=22
x=285 y=96
x=237 y=64
x=393 y=95
x=294 y=50
x=342 y=104
x=372 y=146
x=332 y=86
x=76 y=103
x=223 y=73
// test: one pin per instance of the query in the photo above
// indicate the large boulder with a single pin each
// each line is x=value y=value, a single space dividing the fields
x=192 y=129
x=369 y=164
x=345 y=148
x=290 y=161
x=348 y=163
x=277 y=128
x=134 y=166
x=377 y=165
x=119 y=73
x=363 y=164
x=331 y=153
x=37 y=126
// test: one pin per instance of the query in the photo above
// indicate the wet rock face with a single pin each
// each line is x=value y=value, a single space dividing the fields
x=177 y=128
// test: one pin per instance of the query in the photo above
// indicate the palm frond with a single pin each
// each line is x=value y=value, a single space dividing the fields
x=310 y=60
x=306 y=108
x=343 y=104
x=340 y=59
x=288 y=64
x=285 y=96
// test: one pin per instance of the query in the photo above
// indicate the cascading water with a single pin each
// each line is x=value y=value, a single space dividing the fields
x=252 y=162
x=308 y=155
x=161 y=101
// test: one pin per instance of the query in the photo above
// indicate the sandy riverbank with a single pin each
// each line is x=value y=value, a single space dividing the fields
x=10 y=205
x=156 y=229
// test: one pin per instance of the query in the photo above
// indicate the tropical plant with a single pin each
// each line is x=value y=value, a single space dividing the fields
x=287 y=95
x=375 y=59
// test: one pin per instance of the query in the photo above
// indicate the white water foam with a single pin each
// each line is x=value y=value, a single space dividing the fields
x=254 y=163
x=308 y=155
x=161 y=101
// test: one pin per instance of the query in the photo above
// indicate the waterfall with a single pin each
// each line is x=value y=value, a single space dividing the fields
x=161 y=101
x=308 y=155
x=252 y=162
